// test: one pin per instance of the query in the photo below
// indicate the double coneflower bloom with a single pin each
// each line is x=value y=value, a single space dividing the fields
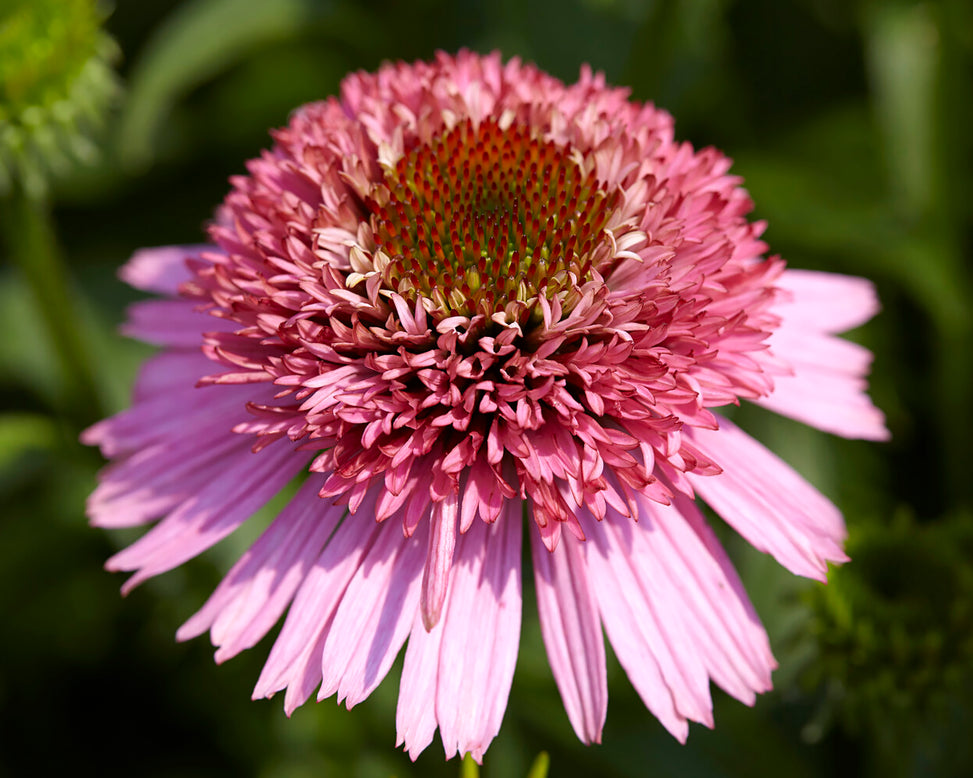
x=469 y=308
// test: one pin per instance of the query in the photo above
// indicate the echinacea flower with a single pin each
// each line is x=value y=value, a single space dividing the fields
x=467 y=302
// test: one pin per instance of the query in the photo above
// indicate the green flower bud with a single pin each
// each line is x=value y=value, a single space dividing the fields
x=56 y=84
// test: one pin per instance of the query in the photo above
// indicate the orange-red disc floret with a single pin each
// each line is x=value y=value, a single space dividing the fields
x=482 y=216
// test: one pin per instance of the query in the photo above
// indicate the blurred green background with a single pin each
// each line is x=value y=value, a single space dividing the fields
x=850 y=121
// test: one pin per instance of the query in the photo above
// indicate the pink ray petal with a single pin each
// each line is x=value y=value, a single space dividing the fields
x=415 y=715
x=480 y=635
x=170 y=467
x=465 y=663
x=680 y=556
x=826 y=387
x=572 y=633
x=164 y=418
x=174 y=323
x=768 y=503
x=254 y=593
x=162 y=269
x=295 y=659
x=825 y=302
x=375 y=615
x=646 y=632
x=208 y=517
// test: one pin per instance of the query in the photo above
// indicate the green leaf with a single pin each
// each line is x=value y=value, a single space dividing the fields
x=23 y=432
x=23 y=435
x=901 y=44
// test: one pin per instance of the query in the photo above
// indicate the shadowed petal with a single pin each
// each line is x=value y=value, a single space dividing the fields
x=439 y=559
x=170 y=404
x=173 y=323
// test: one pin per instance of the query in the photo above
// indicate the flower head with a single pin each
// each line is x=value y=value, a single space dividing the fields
x=460 y=298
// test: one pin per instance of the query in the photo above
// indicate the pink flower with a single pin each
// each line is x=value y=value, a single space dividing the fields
x=460 y=298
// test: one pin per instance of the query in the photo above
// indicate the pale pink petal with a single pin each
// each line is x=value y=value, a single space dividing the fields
x=152 y=482
x=829 y=401
x=768 y=503
x=415 y=715
x=162 y=269
x=826 y=302
x=481 y=634
x=464 y=665
x=826 y=387
x=210 y=515
x=211 y=412
x=253 y=595
x=159 y=465
x=295 y=659
x=646 y=632
x=174 y=323
x=572 y=632
x=681 y=561
x=375 y=615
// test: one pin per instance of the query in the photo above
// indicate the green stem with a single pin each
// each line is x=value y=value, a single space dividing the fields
x=469 y=768
x=28 y=232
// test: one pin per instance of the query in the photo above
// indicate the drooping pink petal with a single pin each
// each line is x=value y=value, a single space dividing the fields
x=768 y=503
x=571 y=628
x=169 y=406
x=646 y=632
x=295 y=658
x=258 y=588
x=683 y=563
x=375 y=615
x=209 y=516
x=415 y=715
x=159 y=466
x=464 y=665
